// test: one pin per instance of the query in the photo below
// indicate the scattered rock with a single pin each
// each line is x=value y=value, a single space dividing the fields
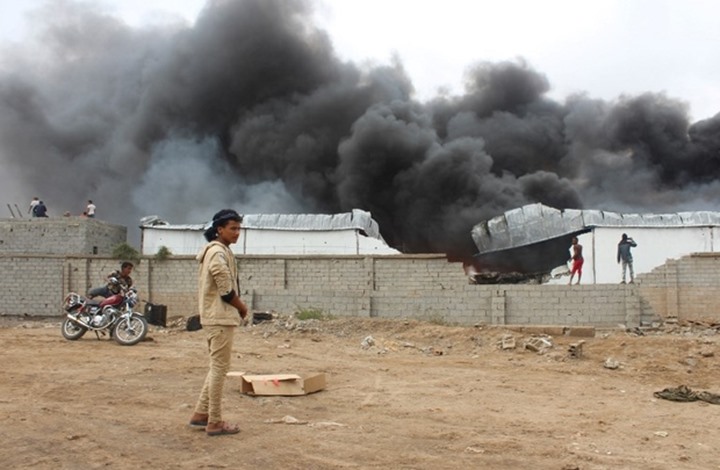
x=326 y=424
x=474 y=450
x=287 y=419
x=367 y=342
x=611 y=363
x=707 y=353
x=690 y=361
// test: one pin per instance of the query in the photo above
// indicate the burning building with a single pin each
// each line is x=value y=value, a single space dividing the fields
x=536 y=238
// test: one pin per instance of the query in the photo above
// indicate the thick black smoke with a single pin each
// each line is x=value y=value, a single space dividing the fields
x=251 y=108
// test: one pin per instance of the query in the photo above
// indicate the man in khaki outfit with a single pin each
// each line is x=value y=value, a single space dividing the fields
x=219 y=305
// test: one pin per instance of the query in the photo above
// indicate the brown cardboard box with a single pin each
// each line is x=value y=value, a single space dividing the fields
x=279 y=384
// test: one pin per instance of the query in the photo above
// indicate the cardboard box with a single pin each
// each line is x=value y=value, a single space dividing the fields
x=279 y=384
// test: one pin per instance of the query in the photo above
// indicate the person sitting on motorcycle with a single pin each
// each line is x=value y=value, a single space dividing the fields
x=116 y=282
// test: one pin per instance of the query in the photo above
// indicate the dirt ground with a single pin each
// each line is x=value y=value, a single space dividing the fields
x=424 y=396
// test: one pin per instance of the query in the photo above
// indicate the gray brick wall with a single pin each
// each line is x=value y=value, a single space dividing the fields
x=420 y=286
x=31 y=285
x=43 y=259
x=687 y=288
x=60 y=236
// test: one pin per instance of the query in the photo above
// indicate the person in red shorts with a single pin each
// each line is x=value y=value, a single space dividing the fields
x=577 y=261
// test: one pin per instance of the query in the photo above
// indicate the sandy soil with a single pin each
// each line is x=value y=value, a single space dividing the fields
x=424 y=396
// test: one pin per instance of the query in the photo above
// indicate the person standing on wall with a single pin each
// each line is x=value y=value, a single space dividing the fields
x=33 y=204
x=40 y=210
x=577 y=260
x=90 y=209
x=624 y=256
x=219 y=304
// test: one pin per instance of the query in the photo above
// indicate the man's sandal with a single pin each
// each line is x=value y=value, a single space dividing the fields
x=199 y=420
x=224 y=429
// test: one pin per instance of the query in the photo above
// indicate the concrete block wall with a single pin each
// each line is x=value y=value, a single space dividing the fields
x=60 y=236
x=659 y=289
x=421 y=286
x=687 y=288
x=306 y=274
x=31 y=285
x=168 y=282
x=699 y=284
x=591 y=305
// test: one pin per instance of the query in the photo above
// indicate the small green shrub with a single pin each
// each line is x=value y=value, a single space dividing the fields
x=125 y=251
x=312 y=314
x=163 y=253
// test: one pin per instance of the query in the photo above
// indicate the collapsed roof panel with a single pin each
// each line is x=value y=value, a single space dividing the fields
x=535 y=223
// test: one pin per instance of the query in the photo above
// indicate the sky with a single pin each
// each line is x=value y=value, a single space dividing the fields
x=604 y=48
x=431 y=115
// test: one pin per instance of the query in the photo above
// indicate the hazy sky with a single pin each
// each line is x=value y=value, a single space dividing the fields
x=605 y=48
x=431 y=115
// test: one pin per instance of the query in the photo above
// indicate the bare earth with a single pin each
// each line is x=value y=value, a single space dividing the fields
x=425 y=396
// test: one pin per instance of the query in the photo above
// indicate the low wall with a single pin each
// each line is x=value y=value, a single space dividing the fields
x=60 y=236
x=407 y=286
x=686 y=288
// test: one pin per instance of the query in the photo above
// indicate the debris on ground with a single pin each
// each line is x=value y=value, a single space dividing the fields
x=611 y=363
x=683 y=393
x=539 y=344
x=367 y=342
x=287 y=419
x=575 y=350
x=507 y=342
x=259 y=317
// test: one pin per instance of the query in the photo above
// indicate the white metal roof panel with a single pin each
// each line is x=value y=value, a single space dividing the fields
x=355 y=220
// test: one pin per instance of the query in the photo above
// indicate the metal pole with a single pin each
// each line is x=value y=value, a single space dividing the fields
x=11 y=211
x=19 y=211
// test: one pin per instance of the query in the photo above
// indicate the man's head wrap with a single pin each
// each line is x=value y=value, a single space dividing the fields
x=220 y=219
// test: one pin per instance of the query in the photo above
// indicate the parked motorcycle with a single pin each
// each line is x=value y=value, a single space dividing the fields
x=113 y=315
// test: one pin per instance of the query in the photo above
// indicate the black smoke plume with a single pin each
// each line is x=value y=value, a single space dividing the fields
x=251 y=108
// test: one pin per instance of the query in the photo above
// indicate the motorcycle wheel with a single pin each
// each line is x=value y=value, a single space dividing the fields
x=71 y=330
x=129 y=331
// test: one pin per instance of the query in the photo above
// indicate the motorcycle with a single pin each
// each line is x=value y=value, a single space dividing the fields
x=113 y=315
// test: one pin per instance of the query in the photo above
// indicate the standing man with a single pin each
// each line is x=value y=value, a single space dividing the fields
x=90 y=209
x=625 y=256
x=219 y=305
x=33 y=204
x=577 y=260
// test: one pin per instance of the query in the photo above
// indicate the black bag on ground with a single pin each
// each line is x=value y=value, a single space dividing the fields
x=193 y=323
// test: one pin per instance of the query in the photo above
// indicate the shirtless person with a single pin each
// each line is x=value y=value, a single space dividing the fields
x=577 y=261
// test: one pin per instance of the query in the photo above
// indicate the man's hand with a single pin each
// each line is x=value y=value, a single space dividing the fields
x=243 y=311
x=240 y=306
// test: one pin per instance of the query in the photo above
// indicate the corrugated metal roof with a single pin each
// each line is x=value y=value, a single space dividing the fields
x=536 y=222
x=355 y=220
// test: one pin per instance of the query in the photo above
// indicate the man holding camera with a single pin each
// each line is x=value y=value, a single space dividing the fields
x=625 y=256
